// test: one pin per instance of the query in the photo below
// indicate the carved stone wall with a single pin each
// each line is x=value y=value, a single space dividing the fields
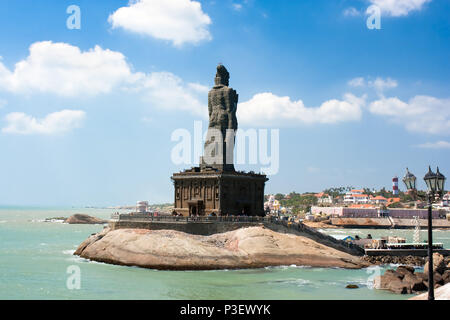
x=219 y=193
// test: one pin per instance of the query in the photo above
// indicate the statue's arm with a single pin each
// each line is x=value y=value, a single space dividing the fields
x=232 y=107
x=209 y=104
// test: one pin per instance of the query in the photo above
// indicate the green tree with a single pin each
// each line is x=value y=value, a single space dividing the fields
x=279 y=196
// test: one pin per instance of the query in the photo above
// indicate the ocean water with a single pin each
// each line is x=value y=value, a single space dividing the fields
x=35 y=257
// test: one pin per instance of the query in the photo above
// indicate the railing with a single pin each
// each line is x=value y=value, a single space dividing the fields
x=150 y=217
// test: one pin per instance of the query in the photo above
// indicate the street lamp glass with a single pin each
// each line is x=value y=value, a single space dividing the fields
x=431 y=180
x=440 y=181
x=410 y=180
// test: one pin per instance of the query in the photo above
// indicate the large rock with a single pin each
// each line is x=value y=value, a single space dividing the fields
x=90 y=240
x=405 y=270
x=441 y=293
x=84 y=219
x=413 y=283
x=402 y=281
x=439 y=264
x=446 y=276
x=253 y=247
x=406 y=280
x=383 y=281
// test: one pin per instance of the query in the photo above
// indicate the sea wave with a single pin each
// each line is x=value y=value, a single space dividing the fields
x=285 y=267
x=70 y=252
x=295 y=281
x=47 y=220
x=334 y=231
x=78 y=259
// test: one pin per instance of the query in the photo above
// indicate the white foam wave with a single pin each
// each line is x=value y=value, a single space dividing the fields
x=298 y=282
x=285 y=267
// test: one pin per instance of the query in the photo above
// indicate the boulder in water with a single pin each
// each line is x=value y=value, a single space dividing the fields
x=84 y=219
x=254 y=247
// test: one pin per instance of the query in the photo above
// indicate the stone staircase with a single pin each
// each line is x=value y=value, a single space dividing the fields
x=300 y=229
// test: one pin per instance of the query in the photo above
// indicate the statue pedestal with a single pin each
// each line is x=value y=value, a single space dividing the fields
x=210 y=191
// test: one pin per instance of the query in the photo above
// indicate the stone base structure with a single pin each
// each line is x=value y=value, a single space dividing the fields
x=205 y=192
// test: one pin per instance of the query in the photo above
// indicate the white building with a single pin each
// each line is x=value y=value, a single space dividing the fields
x=446 y=200
x=356 y=196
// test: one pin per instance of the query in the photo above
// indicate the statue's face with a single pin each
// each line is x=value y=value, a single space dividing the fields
x=222 y=80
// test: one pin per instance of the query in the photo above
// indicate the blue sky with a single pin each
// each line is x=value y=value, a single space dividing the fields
x=86 y=116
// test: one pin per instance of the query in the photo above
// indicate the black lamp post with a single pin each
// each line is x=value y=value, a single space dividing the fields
x=435 y=185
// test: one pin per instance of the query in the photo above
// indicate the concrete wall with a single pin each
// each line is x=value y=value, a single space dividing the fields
x=362 y=222
x=373 y=212
x=198 y=228
x=386 y=223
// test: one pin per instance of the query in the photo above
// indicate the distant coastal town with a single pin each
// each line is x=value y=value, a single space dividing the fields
x=348 y=202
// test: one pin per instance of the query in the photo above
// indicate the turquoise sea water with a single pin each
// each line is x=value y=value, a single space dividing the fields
x=35 y=255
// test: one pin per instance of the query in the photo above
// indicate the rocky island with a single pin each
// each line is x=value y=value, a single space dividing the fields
x=77 y=219
x=253 y=247
x=84 y=219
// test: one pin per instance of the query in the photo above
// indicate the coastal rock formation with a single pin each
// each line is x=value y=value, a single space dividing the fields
x=407 y=260
x=404 y=280
x=253 y=247
x=439 y=264
x=83 y=219
x=442 y=293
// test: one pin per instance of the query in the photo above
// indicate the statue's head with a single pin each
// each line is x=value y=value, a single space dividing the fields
x=222 y=76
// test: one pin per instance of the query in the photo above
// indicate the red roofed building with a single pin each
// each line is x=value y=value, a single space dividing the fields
x=356 y=196
x=379 y=200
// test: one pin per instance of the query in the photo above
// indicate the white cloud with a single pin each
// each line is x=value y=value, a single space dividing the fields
x=435 y=145
x=397 y=8
x=357 y=82
x=379 y=84
x=179 y=21
x=351 y=12
x=53 y=123
x=65 y=70
x=237 y=6
x=165 y=90
x=420 y=114
x=267 y=109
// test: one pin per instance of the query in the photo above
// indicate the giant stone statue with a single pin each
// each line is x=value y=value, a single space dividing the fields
x=222 y=106
x=215 y=187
